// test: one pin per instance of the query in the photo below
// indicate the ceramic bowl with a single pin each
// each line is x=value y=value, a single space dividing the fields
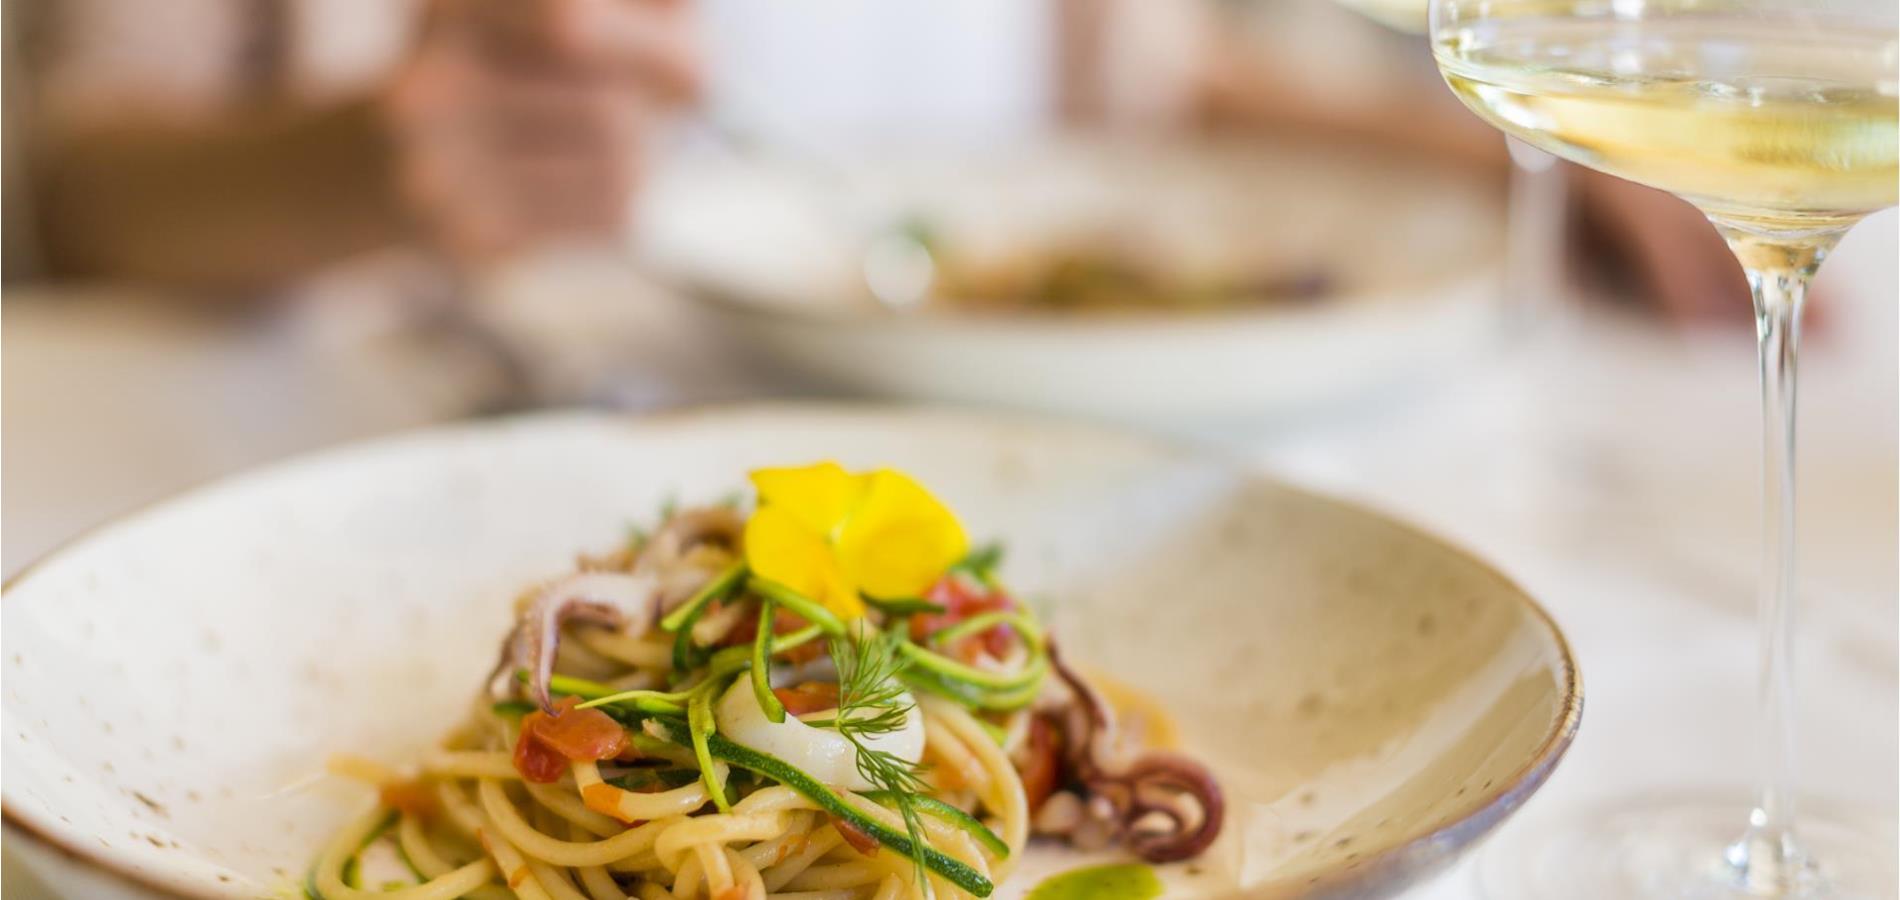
x=1411 y=252
x=1372 y=699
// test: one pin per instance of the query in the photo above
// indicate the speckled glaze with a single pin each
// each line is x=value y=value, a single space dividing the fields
x=1372 y=699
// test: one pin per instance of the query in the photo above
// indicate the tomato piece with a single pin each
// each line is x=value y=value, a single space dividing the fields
x=549 y=742
x=1043 y=766
x=536 y=762
x=855 y=836
x=582 y=734
x=810 y=697
x=962 y=598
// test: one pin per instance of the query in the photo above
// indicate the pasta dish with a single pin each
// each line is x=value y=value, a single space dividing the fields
x=821 y=694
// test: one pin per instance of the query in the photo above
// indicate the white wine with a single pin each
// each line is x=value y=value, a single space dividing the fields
x=1781 y=126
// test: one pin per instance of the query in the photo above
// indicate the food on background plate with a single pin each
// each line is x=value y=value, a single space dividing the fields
x=1105 y=273
x=832 y=693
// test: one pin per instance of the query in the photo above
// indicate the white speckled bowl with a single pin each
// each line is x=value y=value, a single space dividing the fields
x=1373 y=700
x=1411 y=250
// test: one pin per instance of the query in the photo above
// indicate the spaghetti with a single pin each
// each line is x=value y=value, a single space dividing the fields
x=831 y=698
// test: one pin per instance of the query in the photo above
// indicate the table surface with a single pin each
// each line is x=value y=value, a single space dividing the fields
x=1610 y=466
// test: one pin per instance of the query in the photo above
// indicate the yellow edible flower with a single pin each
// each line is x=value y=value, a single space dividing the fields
x=831 y=534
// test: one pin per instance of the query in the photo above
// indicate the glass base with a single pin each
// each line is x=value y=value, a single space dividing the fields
x=1684 y=849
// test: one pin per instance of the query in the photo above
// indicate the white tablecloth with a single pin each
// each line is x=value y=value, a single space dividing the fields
x=1610 y=467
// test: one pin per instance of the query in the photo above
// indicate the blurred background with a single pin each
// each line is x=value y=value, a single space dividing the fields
x=239 y=229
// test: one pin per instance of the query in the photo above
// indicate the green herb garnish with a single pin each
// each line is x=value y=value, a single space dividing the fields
x=981 y=563
x=680 y=621
x=944 y=667
x=871 y=702
x=1025 y=626
x=808 y=609
x=970 y=695
x=699 y=722
x=642 y=780
x=762 y=665
x=937 y=809
x=769 y=766
x=907 y=606
x=716 y=589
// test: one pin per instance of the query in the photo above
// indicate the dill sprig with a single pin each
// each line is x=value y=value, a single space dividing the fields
x=872 y=701
x=981 y=563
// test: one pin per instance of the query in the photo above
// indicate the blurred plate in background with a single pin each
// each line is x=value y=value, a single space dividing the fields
x=1268 y=276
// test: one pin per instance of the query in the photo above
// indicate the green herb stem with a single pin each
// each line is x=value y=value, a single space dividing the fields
x=718 y=588
x=652 y=703
x=972 y=696
x=905 y=606
x=981 y=622
x=950 y=669
x=937 y=809
x=982 y=562
x=764 y=764
x=700 y=725
x=762 y=666
x=733 y=660
x=808 y=609
x=681 y=621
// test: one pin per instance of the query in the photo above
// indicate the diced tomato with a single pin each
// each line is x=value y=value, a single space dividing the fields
x=810 y=697
x=548 y=743
x=855 y=836
x=582 y=734
x=536 y=762
x=1044 y=763
x=410 y=797
x=962 y=598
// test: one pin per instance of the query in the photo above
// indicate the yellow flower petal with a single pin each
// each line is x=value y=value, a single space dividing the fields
x=821 y=495
x=779 y=547
x=840 y=593
x=900 y=539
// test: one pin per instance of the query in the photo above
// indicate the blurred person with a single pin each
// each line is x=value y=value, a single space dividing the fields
x=176 y=150
x=232 y=145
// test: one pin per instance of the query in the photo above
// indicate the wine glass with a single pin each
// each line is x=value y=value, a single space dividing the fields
x=1778 y=119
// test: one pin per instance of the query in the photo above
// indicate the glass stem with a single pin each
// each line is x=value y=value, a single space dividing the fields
x=1534 y=249
x=1767 y=860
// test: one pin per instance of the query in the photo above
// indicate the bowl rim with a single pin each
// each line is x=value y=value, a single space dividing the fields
x=1486 y=810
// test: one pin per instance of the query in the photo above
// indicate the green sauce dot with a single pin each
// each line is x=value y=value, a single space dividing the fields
x=1126 y=881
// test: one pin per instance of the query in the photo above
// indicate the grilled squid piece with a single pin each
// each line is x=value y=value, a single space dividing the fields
x=1163 y=806
x=618 y=600
x=688 y=549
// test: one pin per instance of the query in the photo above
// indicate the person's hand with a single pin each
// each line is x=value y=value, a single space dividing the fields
x=518 y=122
x=1673 y=255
